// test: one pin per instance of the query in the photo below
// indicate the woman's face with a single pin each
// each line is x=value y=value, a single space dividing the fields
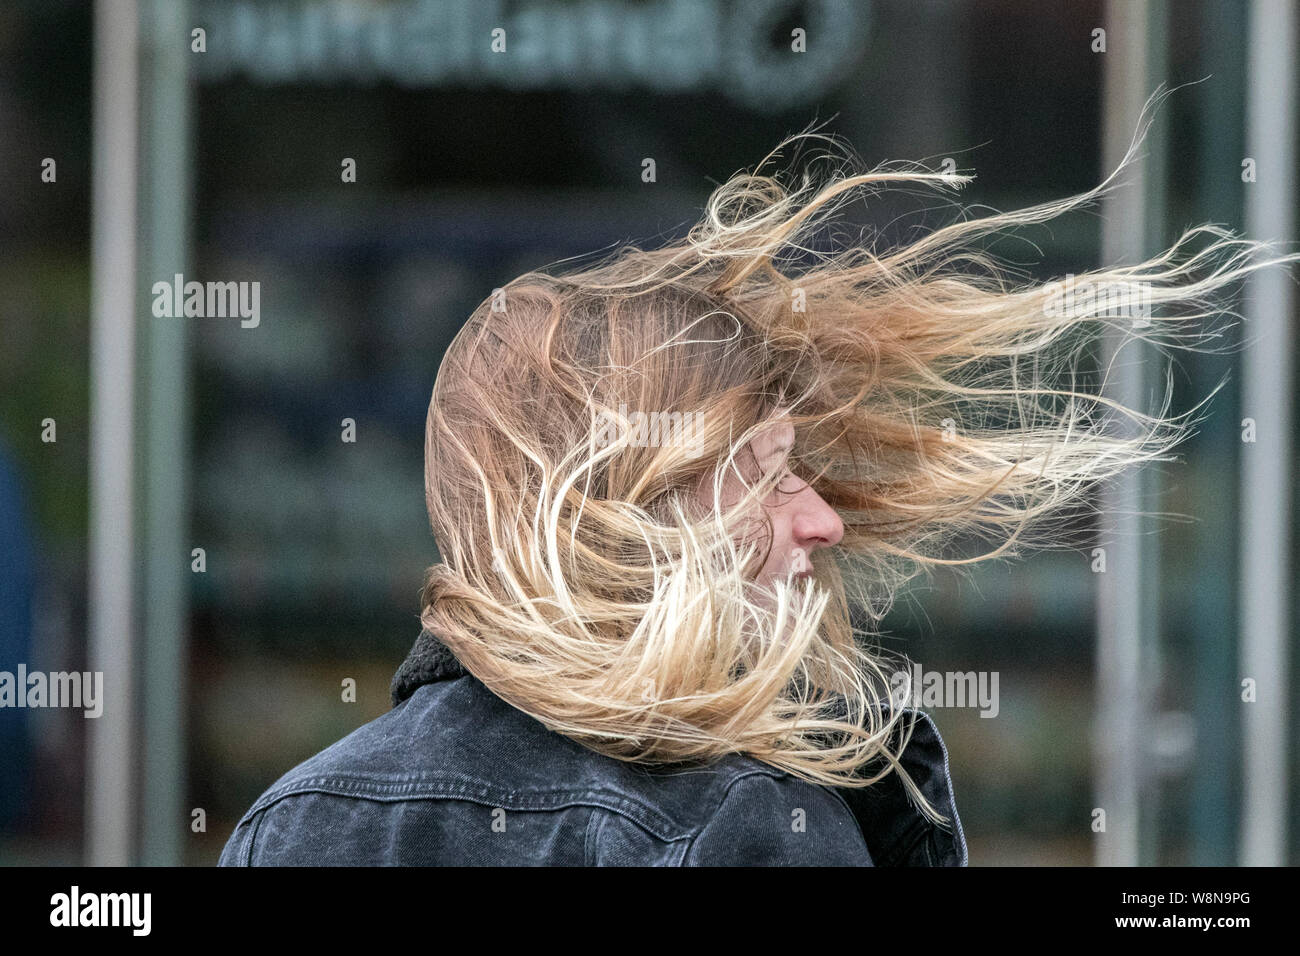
x=801 y=520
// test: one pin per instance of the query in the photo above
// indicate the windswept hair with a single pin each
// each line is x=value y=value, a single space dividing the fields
x=934 y=397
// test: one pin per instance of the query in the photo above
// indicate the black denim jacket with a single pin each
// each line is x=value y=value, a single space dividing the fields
x=453 y=775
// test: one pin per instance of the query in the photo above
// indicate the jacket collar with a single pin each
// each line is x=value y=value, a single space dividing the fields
x=896 y=832
x=429 y=660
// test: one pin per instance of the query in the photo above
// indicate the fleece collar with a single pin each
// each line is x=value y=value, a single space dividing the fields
x=429 y=660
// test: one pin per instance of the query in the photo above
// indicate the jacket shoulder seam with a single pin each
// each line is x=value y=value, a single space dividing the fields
x=780 y=776
x=244 y=854
x=466 y=788
x=597 y=822
x=600 y=818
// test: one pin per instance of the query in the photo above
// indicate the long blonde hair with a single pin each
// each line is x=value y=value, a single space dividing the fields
x=580 y=581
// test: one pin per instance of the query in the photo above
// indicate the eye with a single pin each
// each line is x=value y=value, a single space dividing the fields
x=790 y=483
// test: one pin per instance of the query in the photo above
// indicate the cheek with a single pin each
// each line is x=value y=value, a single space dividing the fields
x=770 y=526
x=782 y=529
x=782 y=539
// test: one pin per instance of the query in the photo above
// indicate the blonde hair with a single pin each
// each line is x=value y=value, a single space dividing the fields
x=580 y=581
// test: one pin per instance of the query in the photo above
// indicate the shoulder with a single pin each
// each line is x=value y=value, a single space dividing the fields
x=769 y=818
x=761 y=817
x=459 y=758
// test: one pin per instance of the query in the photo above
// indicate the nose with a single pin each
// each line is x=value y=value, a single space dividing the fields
x=816 y=524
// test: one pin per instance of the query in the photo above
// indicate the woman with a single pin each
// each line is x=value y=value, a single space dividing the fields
x=658 y=485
